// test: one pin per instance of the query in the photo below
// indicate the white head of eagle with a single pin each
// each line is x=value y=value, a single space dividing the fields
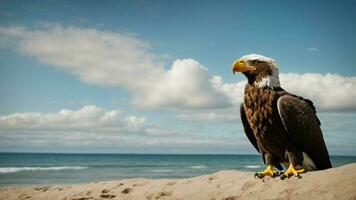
x=261 y=71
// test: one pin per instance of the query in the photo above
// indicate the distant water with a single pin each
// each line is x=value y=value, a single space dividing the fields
x=44 y=169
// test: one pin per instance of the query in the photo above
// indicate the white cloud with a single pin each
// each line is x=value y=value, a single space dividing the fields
x=96 y=57
x=186 y=85
x=134 y=123
x=89 y=118
x=235 y=91
x=328 y=91
x=114 y=59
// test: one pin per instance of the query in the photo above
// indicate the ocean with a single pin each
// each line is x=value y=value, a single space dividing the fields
x=56 y=169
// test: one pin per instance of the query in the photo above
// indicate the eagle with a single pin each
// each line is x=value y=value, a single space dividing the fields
x=283 y=127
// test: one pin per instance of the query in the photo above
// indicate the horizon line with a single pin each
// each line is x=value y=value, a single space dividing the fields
x=136 y=153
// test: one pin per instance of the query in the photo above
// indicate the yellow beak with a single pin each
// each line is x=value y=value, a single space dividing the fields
x=240 y=66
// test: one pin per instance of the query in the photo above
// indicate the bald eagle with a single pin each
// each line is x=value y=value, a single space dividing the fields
x=283 y=127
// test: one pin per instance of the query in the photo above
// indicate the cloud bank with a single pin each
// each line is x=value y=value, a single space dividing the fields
x=89 y=118
x=328 y=91
x=92 y=128
x=113 y=59
x=95 y=57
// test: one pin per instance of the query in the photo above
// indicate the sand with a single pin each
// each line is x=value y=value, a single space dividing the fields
x=336 y=183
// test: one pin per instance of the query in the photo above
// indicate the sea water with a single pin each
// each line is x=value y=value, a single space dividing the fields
x=50 y=169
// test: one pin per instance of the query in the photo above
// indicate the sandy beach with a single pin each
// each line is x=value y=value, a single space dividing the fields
x=336 y=183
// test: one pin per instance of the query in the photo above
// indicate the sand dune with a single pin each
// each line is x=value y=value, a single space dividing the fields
x=336 y=183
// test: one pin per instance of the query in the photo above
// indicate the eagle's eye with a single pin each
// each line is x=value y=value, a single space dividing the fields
x=241 y=61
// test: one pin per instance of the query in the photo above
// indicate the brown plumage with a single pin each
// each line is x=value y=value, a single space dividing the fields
x=282 y=126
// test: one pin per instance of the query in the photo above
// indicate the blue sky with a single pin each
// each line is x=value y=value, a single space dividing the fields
x=154 y=76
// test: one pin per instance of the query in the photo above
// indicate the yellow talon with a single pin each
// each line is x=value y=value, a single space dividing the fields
x=267 y=172
x=292 y=171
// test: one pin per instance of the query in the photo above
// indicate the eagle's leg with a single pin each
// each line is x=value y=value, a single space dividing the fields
x=292 y=171
x=294 y=159
x=269 y=169
x=267 y=172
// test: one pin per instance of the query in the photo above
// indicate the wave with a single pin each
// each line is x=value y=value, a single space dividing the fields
x=252 y=166
x=198 y=166
x=19 y=169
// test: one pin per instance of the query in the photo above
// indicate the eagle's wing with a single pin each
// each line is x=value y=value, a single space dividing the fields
x=299 y=118
x=251 y=136
x=247 y=128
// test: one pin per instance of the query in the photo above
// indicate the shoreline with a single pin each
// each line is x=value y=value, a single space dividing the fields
x=335 y=183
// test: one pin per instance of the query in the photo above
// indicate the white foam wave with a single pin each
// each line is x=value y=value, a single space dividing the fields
x=198 y=166
x=253 y=166
x=19 y=169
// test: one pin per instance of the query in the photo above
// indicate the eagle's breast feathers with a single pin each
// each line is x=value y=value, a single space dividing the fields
x=259 y=108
